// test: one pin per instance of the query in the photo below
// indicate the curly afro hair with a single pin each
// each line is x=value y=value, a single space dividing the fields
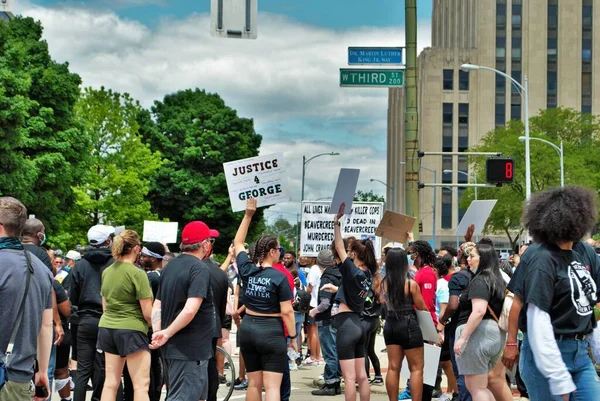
x=560 y=214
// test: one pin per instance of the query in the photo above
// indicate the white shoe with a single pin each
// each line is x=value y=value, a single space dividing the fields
x=445 y=397
x=293 y=367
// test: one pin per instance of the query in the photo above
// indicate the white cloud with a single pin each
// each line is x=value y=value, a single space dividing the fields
x=291 y=72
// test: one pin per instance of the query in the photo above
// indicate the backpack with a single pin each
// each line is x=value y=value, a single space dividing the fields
x=301 y=302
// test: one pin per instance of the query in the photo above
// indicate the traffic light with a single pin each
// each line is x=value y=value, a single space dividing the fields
x=420 y=226
x=499 y=170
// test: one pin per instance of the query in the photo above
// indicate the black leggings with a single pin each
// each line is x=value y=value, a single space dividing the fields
x=370 y=326
x=350 y=337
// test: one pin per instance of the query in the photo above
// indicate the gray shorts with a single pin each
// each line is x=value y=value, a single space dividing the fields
x=483 y=350
x=186 y=380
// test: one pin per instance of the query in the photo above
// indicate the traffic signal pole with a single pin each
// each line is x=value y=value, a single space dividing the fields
x=411 y=138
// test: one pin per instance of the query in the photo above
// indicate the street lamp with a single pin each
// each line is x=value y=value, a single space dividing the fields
x=523 y=91
x=305 y=162
x=560 y=151
x=390 y=187
x=469 y=176
x=434 y=207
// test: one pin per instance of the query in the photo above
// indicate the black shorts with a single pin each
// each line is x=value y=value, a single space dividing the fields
x=351 y=337
x=63 y=350
x=74 y=341
x=263 y=344
x=445 y=353
x=227 y=323
x=403 y=330
x=122 y=342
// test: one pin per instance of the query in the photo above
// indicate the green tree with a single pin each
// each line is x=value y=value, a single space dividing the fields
x=284 y=231
x=41 y=147
x=118 y=179
x=196 y=133
x=580 y=134
x=363 y=196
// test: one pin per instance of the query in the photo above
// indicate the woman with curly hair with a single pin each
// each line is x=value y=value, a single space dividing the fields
x=558 y=282
x=267 y=296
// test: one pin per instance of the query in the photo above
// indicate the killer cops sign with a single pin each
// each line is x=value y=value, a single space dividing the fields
x=317 y=225
x=261 y=177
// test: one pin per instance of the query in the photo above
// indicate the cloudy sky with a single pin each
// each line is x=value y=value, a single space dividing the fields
x=287 y=79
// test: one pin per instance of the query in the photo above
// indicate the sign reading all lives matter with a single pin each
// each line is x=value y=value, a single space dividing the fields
x=317 y=225
x=261 y=177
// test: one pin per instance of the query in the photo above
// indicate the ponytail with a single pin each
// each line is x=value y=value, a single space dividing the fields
x=124 y=243
x=365 y=252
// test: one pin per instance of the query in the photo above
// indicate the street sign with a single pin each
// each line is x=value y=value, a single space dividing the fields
x=375 y=55
x=233 y=18
x=371 y=78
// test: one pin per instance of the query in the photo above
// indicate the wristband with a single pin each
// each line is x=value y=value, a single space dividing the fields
x=511 y=344
x=293 y=337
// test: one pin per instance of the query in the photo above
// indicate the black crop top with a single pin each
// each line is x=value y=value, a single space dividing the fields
x=263 y=288
x=355 y=287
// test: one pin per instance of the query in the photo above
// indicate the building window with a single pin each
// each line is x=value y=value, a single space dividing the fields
x=447 y=130
x=500 y=113
x=463 y=127
x=461 y=211
x=446 y=208
x=587 y=13
x=447 y=166
x=552 y=55
x=515 y=111
x=463 y=80
x=448 y=80
x=463 y=170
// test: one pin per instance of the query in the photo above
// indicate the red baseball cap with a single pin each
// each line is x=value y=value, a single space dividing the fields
x=197 y=231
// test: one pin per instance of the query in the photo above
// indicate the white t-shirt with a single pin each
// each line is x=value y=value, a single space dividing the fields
x=314 y=279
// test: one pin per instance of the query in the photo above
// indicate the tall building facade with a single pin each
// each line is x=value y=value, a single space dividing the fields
x=553 y=42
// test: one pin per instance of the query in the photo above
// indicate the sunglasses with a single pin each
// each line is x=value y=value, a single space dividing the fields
x=411 y=252
x=211 y=240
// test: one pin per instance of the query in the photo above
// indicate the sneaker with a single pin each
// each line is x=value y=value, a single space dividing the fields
x=445 y=397
x=236 y=382
x=437 y=393
x=226 y=366
x=455 y=397
x=222 y=379
x=242 y=386
x=321 y=362
x=327 y=389
x=293 y=366
x=309 y=362
x=405 y=396
x=376 y=381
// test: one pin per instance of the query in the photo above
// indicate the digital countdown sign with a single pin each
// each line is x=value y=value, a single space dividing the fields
x=500 y=170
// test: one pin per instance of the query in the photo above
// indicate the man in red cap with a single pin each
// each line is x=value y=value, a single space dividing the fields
x=183 y=315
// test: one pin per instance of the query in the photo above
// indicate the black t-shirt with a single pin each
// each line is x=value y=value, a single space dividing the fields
x=185 y=277
x=154 y=279
x=355 y=287
x=219 y=283
x=263 y=288
x=40 y=253
x=457 y=284
x=61 y=296
x=478 y=289
x=565 y=284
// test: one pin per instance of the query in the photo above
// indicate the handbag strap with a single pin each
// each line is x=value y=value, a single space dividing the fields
x=13 y=336
x=493 y=314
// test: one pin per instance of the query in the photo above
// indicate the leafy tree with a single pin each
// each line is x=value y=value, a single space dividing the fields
x=362 y=196
x=284 y=231
x=580 y=134
x=196 y=133
x=118 y=179
x=41 y=146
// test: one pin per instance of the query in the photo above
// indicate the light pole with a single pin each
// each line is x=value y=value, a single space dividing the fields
x=560 y=151
x=305 y=162
x=433 y=236
x=524 y=91
x=391 y=189
x=469 y=176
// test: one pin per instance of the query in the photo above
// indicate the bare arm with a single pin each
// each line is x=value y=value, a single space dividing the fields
x=103 y=304
x=44 y=342
x=227 y=260
x=450 y=309
x=511 y=349
x=415 y=291
x=479 y=310
x=240 y=236
x=287 y=313
x=156 y=316
x=185 y=317
x=339 y=243
x=64 y=308
x=146 y=305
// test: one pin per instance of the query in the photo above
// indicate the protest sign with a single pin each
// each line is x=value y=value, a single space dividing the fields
x=261 y=177
x=477 y=214
x=395 y=226
x=360 y=222
x=160 y=231
x=432 y=360
x=345 y=190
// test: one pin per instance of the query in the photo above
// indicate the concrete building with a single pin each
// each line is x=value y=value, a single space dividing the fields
x=551 y=41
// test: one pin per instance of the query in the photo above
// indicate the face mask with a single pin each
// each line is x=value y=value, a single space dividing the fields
x=67 y=268
x=43 y=239
x=209 y=252
x=410 y=261
x=474 y=271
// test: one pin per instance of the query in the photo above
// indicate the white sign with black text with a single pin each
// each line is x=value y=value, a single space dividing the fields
x=261 y=177
x=317 y=225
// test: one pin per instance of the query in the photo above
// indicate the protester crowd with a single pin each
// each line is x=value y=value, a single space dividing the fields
x=133 y=319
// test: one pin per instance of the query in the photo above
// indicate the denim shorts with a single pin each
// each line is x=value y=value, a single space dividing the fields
x=403 y=330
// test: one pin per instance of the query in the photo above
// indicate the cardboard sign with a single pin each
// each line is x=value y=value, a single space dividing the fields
x=394 y=226
x=477 y=213
x=427 y=328
x=160 y=231
x=345 y=190
x=317 y=225
x=432 y=360
x=261 y=177
x=7 y=5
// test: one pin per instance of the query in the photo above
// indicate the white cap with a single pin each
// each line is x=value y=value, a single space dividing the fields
x=98 y=234
x=73 y=255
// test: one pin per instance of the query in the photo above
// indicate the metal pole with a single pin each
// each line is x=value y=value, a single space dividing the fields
x=303 y=173
x=527 y=152
x=411 y=140
x=562 y=166
x=475 y=180
x=434 y=208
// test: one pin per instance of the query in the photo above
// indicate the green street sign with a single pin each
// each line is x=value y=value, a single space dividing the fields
x=371 y=78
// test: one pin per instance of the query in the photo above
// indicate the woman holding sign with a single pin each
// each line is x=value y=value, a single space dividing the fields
x=267 y=297
x=358 y=271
